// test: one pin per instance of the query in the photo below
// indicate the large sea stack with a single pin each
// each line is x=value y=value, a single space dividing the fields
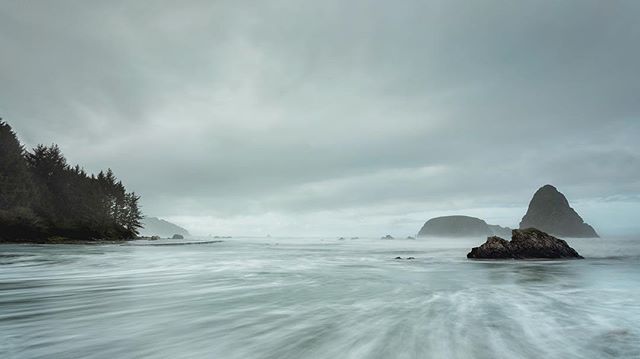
x=525 y=244
x=549 y=211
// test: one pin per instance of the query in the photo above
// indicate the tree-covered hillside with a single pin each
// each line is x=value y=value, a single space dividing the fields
x=42 y=197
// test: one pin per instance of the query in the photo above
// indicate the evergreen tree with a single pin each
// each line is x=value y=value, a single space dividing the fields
x=133 y=215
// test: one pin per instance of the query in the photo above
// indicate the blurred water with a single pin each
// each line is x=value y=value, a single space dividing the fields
x=316 y=298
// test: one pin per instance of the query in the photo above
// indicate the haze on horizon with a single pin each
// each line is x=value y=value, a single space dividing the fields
x=336 y=118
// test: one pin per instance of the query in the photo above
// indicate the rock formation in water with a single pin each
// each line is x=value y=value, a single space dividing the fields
x=460 y=226
x=525 y=244
x=549 y=211
x=153 y=226
x=177 y=236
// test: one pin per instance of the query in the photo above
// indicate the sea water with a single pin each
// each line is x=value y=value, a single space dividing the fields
x=316 y=298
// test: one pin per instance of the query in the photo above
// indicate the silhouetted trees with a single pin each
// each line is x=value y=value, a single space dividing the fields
x=41 y=196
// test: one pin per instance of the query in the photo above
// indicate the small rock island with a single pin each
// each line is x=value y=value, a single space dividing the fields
x=525 y=244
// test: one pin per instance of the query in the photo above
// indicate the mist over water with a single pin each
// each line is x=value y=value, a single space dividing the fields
x=316 y=298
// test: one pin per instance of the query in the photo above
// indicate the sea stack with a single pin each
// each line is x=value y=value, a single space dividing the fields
x=549 y=211
x=525 y=244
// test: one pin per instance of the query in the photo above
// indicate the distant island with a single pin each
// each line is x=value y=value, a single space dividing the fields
x=154 y=226
x=460 y=226
x=44 y=199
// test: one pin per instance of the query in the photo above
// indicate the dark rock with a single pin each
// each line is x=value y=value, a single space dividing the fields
x=388 y=236
x=525 y=244
x=177 y=236
x=494 y=248
x=398 y=258
x=411 y=258
x=549 y=211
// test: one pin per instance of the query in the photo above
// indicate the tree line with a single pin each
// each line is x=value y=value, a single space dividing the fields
x=43 y=197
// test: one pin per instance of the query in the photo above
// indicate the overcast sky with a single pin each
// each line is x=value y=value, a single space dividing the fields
x=335 y=117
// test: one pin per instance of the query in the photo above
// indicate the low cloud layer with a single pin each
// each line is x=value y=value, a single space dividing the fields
x=328 y=117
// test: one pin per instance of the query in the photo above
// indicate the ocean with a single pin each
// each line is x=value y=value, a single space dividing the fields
x=316 y=298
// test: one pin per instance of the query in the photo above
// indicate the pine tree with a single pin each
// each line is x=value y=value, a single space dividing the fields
x=133 y=214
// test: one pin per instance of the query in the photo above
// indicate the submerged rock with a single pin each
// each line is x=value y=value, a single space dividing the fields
x=549 y=211
x=525 y=244
x=388 y=236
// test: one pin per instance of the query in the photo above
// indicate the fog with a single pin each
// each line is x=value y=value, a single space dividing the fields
x=332 y=118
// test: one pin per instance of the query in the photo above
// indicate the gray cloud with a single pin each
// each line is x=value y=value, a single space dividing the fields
x=308 y=116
